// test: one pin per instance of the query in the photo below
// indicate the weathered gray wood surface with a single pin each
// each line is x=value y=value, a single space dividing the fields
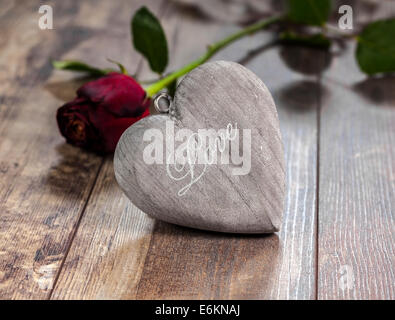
x=274 y=267
x=107 y=256
x=44 y=184
x=279 y=266
x=56 y=232
x=357 y=180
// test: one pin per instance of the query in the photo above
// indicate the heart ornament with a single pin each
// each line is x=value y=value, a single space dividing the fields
x=215 y=161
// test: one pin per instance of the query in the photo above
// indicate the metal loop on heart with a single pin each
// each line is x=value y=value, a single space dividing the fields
x=168 y=108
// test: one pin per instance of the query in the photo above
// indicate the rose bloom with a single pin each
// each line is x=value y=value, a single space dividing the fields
x=102 y=111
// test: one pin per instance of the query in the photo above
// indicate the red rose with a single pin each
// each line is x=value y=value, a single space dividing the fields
x=102 y=111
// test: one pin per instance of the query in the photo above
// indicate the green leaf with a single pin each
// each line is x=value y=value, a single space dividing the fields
x=74 y=65
x=149 y=39
x=376 y=47
x=316 y=40
x=121 y=67
x=312 y=12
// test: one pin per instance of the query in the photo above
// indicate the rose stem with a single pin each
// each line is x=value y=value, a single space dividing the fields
x=212 y=49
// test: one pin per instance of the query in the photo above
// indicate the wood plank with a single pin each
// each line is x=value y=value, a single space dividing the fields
x=183 y=263
x=84 y=262
x=44 y=183
x=108 y=251
x=357 y=199
x=296 y=89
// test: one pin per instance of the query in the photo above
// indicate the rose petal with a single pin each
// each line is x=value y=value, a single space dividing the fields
x=118 y=93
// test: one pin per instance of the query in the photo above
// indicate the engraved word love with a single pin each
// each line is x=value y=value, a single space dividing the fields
x=196 y=151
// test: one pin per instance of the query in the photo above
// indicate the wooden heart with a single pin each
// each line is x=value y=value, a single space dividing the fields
x=242 y=195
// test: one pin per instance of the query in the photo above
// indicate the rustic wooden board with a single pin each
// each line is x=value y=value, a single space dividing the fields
x=109 y=249
x=183 y=263
x=357 y=199
x=44 y=183
x=108 y=252
x=296 y=89
x=287 y=271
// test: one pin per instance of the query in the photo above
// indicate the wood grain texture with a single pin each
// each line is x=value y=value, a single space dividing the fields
x=106 y=258
x=109 y=249
x=296 y=90
x=182 y=263
x=44 y=183
x=232 y=195
x=274 y=271
x=357 y=185
x=72 y=282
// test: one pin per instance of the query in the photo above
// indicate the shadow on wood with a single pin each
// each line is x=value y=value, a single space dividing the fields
x=316 y=60
x=301 y=95
x=66 y=90
x=75 y=166
x=188 y=263
x=380 y=91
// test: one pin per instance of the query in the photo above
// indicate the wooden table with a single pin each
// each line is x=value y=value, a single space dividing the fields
x=68 y=232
